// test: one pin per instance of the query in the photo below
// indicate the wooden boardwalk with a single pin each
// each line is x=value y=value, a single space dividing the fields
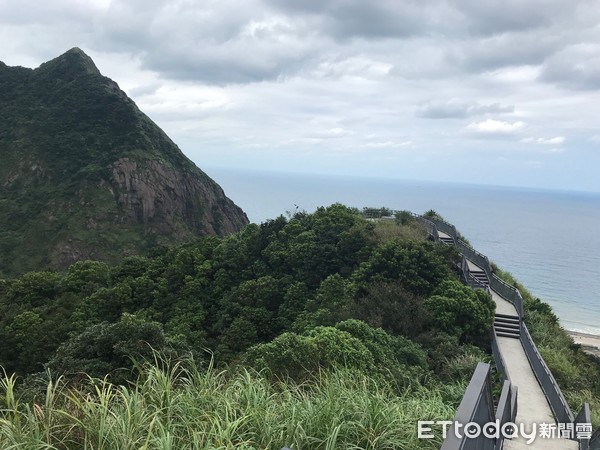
x=532 y=405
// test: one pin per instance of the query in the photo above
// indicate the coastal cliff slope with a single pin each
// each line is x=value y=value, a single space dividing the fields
x=86 y=175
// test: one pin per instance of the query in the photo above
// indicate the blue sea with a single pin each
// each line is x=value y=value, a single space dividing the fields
x=549 y=240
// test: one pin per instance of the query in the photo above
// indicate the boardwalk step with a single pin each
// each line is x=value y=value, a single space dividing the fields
x=507 y=326
x=507 y=320
x=480 y=276
x=506 y=316
x=475 y=285
x=502 y=330
x=509 y=335
x=507 y=330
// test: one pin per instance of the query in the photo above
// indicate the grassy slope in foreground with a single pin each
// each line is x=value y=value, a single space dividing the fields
x=186 y=408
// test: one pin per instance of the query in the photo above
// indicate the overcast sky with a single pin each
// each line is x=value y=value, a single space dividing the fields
x=496 y=92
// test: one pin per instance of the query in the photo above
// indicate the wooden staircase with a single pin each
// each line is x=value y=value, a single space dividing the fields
x=507 y=326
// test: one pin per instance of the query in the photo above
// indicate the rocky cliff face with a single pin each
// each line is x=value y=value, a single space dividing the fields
x=85 y=174
x=155 y=194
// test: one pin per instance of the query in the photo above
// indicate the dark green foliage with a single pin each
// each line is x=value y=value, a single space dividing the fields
x=460 y=311
x=387 y=350
x=298 y=356
x=313 y=291
x=440 y=347
x=330 y=304
x=535 y=305
x=404 y=217
x=87 y=276
x=34 y=320
x=418 y=266
x=389 y=305
x=432 y=213
x=351 y=344
x=105 y=348
x=376 y=213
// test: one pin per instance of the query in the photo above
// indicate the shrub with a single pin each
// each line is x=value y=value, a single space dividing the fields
x=109 y=348
x=460 y=311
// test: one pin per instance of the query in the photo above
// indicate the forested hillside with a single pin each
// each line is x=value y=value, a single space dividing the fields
x=315 y=331
x=322 y=330
x=291 y=290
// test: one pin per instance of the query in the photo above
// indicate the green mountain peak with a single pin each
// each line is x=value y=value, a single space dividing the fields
x=74 y=61
x=85 y=174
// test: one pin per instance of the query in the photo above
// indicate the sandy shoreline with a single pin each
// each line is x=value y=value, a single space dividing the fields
x=589 y=342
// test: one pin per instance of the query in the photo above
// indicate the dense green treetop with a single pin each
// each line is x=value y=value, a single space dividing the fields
x=296 y=298
x=292 y=296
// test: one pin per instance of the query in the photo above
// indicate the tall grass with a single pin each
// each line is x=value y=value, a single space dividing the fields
x=386 y=230
x=180 y=406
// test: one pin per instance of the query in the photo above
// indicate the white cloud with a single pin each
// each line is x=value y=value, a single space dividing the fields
x=355 y=66
x=558 y=140
x=388 y=144
x=456 y=108
x=494 y=127
x=517 y=74
x=331 y=133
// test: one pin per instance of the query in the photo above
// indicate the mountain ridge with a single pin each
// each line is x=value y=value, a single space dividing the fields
x=86 y=174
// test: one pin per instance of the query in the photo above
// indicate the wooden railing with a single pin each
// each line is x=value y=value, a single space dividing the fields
x=477 y=406
x=549 y=386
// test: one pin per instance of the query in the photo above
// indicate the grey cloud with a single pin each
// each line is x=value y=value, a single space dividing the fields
x=129 y=25
x=343 y=19
x=449 y=18
x=255 y=40
x=214 y=44
x=575 y=67
x=36 y=12
x=510 y=49
x=34 y=31
x=502 y=16
x=230 y=64
x=456 y=109
x=143 y=90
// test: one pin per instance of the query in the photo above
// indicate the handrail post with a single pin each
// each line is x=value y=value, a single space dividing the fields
x=584 y=417
x=477 y=406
